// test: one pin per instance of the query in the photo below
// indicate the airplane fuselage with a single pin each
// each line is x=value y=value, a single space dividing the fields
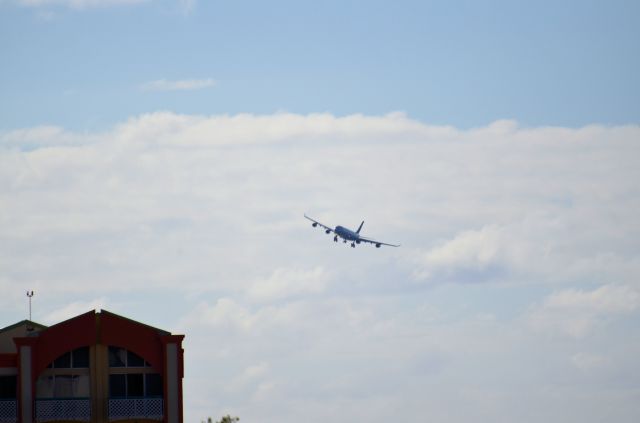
x=347 y=234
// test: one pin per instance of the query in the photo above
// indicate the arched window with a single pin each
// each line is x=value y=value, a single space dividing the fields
x=130 y=376
x=66 y=377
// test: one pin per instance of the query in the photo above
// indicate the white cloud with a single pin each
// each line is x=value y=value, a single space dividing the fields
x=79 y=4
x=472 y=248
x=210 y=131
x=201 y=217
x=226 y=313
x=188 y=5
x=251 y=375
x=605 y=299
x=179 y=85
x=466 y=205
x=577 y=312
x=45 y=7
x=73 y=309
x=284 y=283
x=589 y=362
x=43 y=136
x=469 y=250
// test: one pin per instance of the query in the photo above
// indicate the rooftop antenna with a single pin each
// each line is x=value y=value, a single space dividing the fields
x=29 y=294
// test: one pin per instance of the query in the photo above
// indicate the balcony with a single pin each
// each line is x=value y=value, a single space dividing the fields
x=136 y=408
x=69 y=409
x=8 y=411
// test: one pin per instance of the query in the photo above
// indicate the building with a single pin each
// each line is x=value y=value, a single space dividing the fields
x=97 y=367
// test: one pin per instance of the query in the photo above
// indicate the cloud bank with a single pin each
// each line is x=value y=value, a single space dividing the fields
x=179 y=85
x=515 y=291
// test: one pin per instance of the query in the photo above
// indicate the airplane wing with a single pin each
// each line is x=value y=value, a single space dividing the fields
x=316 y=223
x=377 y=243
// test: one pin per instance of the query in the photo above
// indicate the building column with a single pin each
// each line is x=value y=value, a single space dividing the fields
x=173 y=374
x=99 y=376
x=25 y=348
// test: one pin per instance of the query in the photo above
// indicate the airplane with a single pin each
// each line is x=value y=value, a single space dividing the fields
x=348 y=235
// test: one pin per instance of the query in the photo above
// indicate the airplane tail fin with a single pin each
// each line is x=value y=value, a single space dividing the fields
x=360 y=227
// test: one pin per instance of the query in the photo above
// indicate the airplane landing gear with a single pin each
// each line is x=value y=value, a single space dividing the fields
x=353 y=245
x=335 y=238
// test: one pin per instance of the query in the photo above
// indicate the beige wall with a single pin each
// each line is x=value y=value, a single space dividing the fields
x=6 y=338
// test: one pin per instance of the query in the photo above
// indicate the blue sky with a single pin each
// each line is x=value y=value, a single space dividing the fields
x=157 y=157
x=458 y=63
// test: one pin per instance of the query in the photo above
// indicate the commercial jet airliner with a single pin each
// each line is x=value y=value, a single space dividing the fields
x=348 y=235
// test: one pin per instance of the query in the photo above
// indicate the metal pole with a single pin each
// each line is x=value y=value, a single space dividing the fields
x=29 y=294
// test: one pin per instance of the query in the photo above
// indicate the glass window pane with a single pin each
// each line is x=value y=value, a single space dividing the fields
x=153 y=385
x=63 y=362
x=63 y=387
x=8 y=386
x=134 y=360
x=81 y=357
x=117 y=357
x=135 y=385
x=117 y=386
x=81 y=386
x=44 y=387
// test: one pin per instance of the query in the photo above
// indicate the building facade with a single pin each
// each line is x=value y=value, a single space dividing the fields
x=97 y=367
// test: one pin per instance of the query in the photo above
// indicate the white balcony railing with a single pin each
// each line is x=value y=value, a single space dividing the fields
x=135 y=408
x=8 y=411
x=75 y=409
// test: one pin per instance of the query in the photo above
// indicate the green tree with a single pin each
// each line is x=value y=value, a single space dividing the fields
x=224 y=419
